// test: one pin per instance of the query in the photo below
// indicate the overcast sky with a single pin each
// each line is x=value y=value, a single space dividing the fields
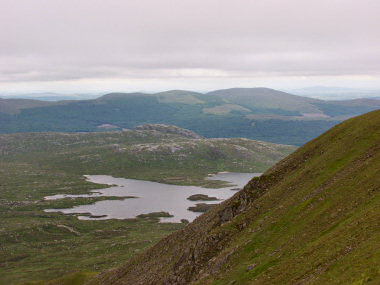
x=151 y=45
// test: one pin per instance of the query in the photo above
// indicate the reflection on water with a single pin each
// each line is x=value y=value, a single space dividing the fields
x=150 y=197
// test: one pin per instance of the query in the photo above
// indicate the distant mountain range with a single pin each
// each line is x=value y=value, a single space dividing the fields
x=50 y=96
x=336 y=93
x=255 y=113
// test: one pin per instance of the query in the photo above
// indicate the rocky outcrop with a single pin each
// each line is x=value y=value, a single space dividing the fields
x=167 y=129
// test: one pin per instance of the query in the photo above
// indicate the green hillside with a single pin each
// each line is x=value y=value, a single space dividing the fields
x=313 y=218
x=35 y=245
x=266 y=98
x=255 y=113
x=13 y=106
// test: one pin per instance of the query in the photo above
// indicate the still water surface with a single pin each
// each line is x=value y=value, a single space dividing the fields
x=150 y=197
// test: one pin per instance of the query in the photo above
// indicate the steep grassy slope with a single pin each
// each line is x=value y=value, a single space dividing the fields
x=313 y=218
x=35 y=245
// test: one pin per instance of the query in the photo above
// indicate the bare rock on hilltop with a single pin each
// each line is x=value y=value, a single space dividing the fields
x=167 y=129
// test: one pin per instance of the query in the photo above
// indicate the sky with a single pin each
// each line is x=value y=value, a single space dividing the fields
x=154 y=45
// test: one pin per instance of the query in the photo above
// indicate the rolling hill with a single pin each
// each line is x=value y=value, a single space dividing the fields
x=313 y=218
x=268 y=99
x=255 y=113
x=14 y=106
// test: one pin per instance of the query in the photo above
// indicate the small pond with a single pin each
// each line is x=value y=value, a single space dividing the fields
x=143 y=197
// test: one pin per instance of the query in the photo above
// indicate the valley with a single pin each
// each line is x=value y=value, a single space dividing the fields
x=59 y=215
x=38 y=245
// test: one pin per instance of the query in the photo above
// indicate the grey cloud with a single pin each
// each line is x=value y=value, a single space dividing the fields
x=58 y=40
